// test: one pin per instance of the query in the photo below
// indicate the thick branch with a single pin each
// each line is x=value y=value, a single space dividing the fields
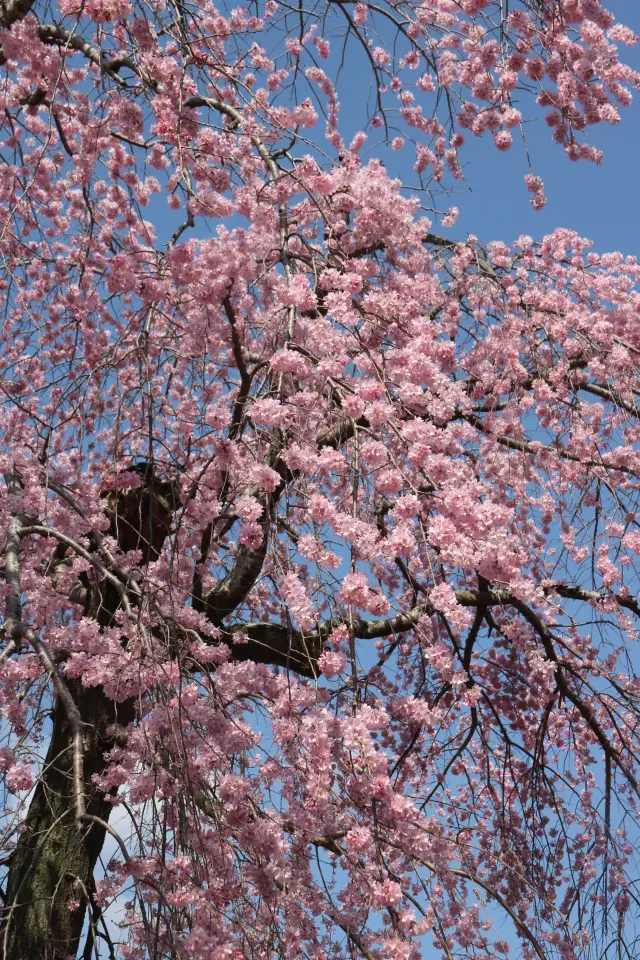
x=535 y=449
x=277 y=645
x=57 y=36
x=230 y=593
x=16 y=11
x=592 y=596
x=13 y=606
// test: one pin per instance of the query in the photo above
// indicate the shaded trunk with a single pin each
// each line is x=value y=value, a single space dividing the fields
x=52 y=866
x=51 y=870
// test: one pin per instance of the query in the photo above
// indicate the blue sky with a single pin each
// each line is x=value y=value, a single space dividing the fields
x=599 y=202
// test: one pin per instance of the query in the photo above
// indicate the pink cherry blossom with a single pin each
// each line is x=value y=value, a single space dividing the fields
x=319 y=529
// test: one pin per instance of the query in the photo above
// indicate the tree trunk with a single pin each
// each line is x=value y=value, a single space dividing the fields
x=51 y=869
x=52 y=865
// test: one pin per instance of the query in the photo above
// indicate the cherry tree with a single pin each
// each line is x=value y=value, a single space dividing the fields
x=320 y=528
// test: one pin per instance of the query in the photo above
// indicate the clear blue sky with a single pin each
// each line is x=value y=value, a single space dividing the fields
x=599 y=202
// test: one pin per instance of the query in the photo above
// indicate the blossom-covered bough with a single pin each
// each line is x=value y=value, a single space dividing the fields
x=320 y=530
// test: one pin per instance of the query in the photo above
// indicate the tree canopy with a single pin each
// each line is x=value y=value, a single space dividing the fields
x=320 y=525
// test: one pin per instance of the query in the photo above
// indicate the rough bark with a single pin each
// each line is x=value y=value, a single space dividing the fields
x=53 y=863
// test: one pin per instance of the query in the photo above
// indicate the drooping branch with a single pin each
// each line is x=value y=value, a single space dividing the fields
x=16 y=630
x=74 y=720
x=583 y=708
x=535 y=448
x=102 y=570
